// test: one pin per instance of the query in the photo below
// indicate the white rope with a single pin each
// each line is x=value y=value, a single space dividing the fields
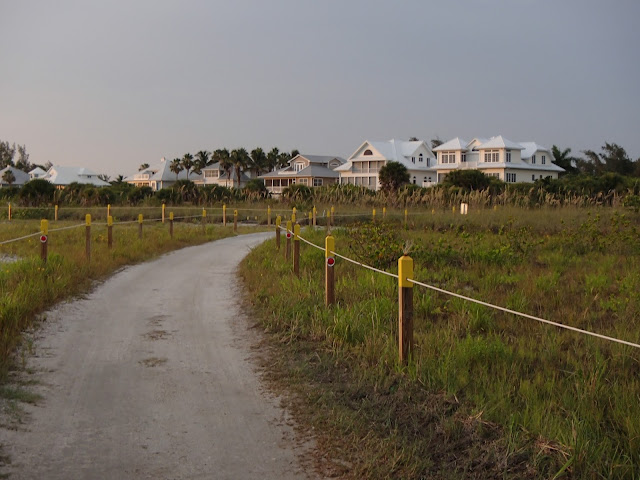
x=365 y=266
x=20 y=238
x=531 y=317
x=310 y=243
x=67 y=228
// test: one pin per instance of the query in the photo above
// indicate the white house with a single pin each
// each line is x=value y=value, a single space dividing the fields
x=363 y=165
x=20 y=177
x=215 y=175
x=159 y=176
x=37 y=173
x=498 y=157
x=62 y=176
x=309 y=170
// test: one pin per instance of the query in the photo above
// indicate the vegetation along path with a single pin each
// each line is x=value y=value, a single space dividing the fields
x=150 y=376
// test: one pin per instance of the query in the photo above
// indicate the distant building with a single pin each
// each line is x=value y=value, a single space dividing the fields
x=20 y=176
x=309 y=170
x=363 y=165
x=159 y=176
x=62 y=176
x=37 y=173
x=498 y=157
x=215 y=175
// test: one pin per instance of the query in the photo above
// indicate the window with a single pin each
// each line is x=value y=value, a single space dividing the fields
x=420 y=158
x=463 y=157
x=491 y=156
x=413 y=159
x=533 y=159
x=317 y=182
x=303 y=181
x=448 y=157
x=511 y=177
x=544 y=159
x=367 y=152
x=211 y=173
x=496 y=175
x=298 y=166
x=508 y=156
x=425 y=180
x=414 y=180
x=533 y=177
x=429 y=179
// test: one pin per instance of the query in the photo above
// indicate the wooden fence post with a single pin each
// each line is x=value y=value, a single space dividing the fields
x=171 y=224
x=296 y=250
x=333 y=215
x=110 y=232
x=315 y=215
x=406 y=213
x=163 y=209
x=108 y=209
x=293 y=216
x=140 y=220
x=224 y=215
x=44 y=239
x=329 y=275
x=88 y=237
x=235 y=220
x=278 y=223
x=405 y=308
x=384 y=213
x=204 y=221
x=55 y=213
x=9 y=213
x=374 y=215
x=287 y=247
x=310 y=218
x=268 y=216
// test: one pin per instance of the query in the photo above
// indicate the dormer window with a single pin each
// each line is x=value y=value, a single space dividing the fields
x=448 y=157
x=491 y=156
x=544 y=160
x=367 y=152
x=297 y=166
x=420 y=159
x=533 y=159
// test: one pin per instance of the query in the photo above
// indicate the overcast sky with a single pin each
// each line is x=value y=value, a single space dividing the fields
x=112 y=84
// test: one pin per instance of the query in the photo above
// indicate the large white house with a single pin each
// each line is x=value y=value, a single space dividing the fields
x=61 y=176
x=159 y=176
x=498 y=157
x=363 y=165
x=215 y=175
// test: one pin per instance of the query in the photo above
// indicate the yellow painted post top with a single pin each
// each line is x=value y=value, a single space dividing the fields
x=294 y=210
x=332 y=209
x=293 y=217
x=87 y=219
x=204 y=213
x=109 y=221
x=453 y=209
x=140 y=218
x=235 y=213
x=329 y=246
x=224 y=206
x=56 y=207
x=374 y=212
x=384 y=210
x=108 y=208
x=170 y=215
x=406 y=212
x=310 y=216
x=314 y=209
x=44 y=226
x=296 y=231
x=163 y=206
x=278 y=221
x=405 y=270
x=268 y=209
x=289 y=228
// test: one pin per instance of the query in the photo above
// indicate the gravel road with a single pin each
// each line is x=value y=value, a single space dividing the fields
x=151 y=376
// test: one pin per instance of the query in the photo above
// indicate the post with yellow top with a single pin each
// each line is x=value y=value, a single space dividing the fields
x=406 y=214
x=333 y=215
x=329 y=273
x=310 y=219
x=287 y=245
x=9 y=213
x=224 y=215
x=405 y=308
x=140 y=220
x=293 y=216
x=55 y=213
x=171 y=224
x=278 y=223
x=204 y=221
x=373 y=215
x=163 y=209
x=453 y=209
x=44 y=239
x=384 y=212
x=268 y=215
x=87 y=220
x=235 y=220
x=315 y=215
x=110 y=232
x=296 y=250
x=108 y=209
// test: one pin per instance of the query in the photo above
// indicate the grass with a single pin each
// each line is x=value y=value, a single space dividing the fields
x=486 y=395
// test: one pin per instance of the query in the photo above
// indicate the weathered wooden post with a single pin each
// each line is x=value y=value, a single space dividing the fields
x=204 y=221
x=269 y=216
x=329 y=275
x=108 y=209
x=405 y=308
x=287 y=246
x=87 y=219
x=406 y=213
x=110 y=232
x=140 y=220
x=55 y=213
x=44 y=239
x=296 y=250
x=315 y=216
x=9 y=213
x=235 y=220
x=278 y=223
x=163 y=209
x=171 y=224
x=224 y=215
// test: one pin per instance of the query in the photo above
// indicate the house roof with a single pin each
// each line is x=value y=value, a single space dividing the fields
x=37 y=171
x=20 y=176
x=63 y=175
x=161 y=172
x=393 y=151
x=453 y=144
x=500 y=142
x=530 y=148
x=319 y=158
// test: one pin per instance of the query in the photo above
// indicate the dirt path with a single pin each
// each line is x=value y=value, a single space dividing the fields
x=150 y=376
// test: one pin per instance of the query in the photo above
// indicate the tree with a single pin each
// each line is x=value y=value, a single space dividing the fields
x=468 y=179
x=104 y=177
x=187 y=163
x=413 y=139
x=7 y=152
x=23 y=159
x=272 y=159
x=564 y=159
x=143 y=167
x=258 y=161
x=283 y=159
x=223 y=157
x=295 y=152
x=201 y=161
x=240 y=160
x=118 y=180
x=8 y=177
x=436 y=142
x=613 y=158
x=36 y=192
x=176 y=167
x=392 y=176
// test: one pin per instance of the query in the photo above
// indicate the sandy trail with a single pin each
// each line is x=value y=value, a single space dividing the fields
x=150 y=376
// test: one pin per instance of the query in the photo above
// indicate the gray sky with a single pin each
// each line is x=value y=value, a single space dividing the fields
x=112 y=84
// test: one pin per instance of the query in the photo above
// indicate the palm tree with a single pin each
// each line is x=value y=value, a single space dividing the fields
x=240 y=160
x=8 y=177
x=258 y=161
x=272 y=159
x=187 y=163
x=176 y=167
x=143 y=166
x=223 y=158
x=283 y=159
x=563 y=159
x=201 y=161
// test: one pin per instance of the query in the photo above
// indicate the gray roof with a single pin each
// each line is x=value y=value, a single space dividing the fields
x=320 y=158
x=20 y=176
x=161 y=172
x=63 y=175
